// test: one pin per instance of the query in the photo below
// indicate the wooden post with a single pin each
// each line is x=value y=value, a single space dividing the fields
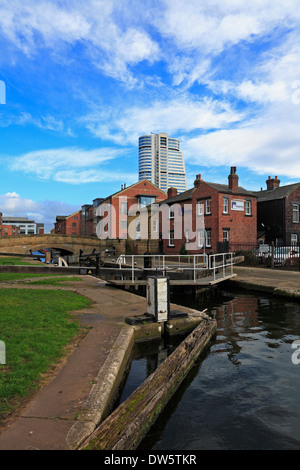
x=125 y=428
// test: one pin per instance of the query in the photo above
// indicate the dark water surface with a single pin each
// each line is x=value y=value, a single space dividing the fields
x=244 y=391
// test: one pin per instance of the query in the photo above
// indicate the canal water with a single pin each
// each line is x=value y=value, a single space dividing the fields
x=244 y=390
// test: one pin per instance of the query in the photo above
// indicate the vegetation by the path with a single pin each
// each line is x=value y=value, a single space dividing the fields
x=17 y=276
x=6 y=260
x=57 y=281
x=36 y=326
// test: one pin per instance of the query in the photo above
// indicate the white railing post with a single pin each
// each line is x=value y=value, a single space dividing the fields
x=132 y=268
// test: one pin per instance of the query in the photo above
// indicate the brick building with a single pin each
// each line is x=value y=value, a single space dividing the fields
x=209 y=217
x=68 y=224
x=278 y=212
x=125 y=217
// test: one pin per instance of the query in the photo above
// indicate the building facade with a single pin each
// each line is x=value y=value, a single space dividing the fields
x=210 y=217
x=162 y=162
x=125 y=218
x=278 y=212
x=26 y=226
x=68 y=224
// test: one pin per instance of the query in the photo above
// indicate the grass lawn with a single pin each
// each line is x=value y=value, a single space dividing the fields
x=57 y=281
x=16 y=276
x=17 y=261
x=35 y=326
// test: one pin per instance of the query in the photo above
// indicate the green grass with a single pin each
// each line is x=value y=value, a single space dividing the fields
x=56 y=281
x=35 y=327
x=16 y=276
x=17 y=261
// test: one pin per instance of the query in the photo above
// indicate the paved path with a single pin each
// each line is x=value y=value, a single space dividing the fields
x=276 y=281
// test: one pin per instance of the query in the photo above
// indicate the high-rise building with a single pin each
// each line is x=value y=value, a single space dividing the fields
x=162 y=162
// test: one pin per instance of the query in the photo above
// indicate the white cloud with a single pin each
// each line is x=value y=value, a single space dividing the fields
x=185 y=114
x=267 y=145
x=13 y=204
x=33 y=25
x=52 y=163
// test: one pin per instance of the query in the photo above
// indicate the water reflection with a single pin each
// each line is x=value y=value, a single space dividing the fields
x=243 y=393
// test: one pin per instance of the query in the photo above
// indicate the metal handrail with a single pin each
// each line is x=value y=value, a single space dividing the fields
x=164 y=263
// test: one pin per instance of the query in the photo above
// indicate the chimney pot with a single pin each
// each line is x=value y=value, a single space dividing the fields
x=272 y=183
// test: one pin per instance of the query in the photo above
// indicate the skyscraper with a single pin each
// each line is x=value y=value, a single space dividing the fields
x=162 y=162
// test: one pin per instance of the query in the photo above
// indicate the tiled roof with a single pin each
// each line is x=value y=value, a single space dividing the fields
x=277 y=193
x=221 y=188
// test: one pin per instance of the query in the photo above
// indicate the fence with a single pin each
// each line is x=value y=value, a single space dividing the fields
x=273 y=256
x=216 y=265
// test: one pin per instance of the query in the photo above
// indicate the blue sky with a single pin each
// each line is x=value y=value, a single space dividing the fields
x=84 y=79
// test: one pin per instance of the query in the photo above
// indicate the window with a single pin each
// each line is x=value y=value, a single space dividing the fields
x=201 y=238
x=200 y=208
x=124 y=208
x=295 y=213
x=208 y=206
x=171 y=238
x=225 y=235
x=155 y=225
x=74 y=224
x=187 y=236
x=145 y=201
x=294 y=239
x=123 y=224
x=138 y=230
x=208 y=238
x=225 y=205
x=247 y=207
x=171 y=212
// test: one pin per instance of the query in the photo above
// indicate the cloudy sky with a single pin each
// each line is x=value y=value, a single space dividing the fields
x=80 y=81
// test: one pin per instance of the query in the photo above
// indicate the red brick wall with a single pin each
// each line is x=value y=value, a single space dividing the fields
x=290 y=226
x=242 y=229
x=130 y=196
x=70 y=225
x=9 y=230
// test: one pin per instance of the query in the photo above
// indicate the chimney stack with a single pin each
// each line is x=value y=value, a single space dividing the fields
x=272 y=183
x=172 y=192
x=198 y=181
x=233 y=180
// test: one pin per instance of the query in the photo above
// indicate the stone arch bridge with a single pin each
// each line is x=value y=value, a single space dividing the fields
x=65 y=244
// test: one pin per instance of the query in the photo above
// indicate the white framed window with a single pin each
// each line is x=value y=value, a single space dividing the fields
x=208 y=206
x=171 y=238
x=155 y=225
x=187 y=236
x=200 y=208
x=294 y=239
x=225 y=235
x=208 y=238
x=225 y=205
x=248 y=208
x=124 y=208
x=201 y=238
x=171 y=212
x=123 y=224
x=296 y=213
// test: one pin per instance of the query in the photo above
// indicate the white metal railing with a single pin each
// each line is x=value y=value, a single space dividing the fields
x=176 y=263
x=219 y=262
